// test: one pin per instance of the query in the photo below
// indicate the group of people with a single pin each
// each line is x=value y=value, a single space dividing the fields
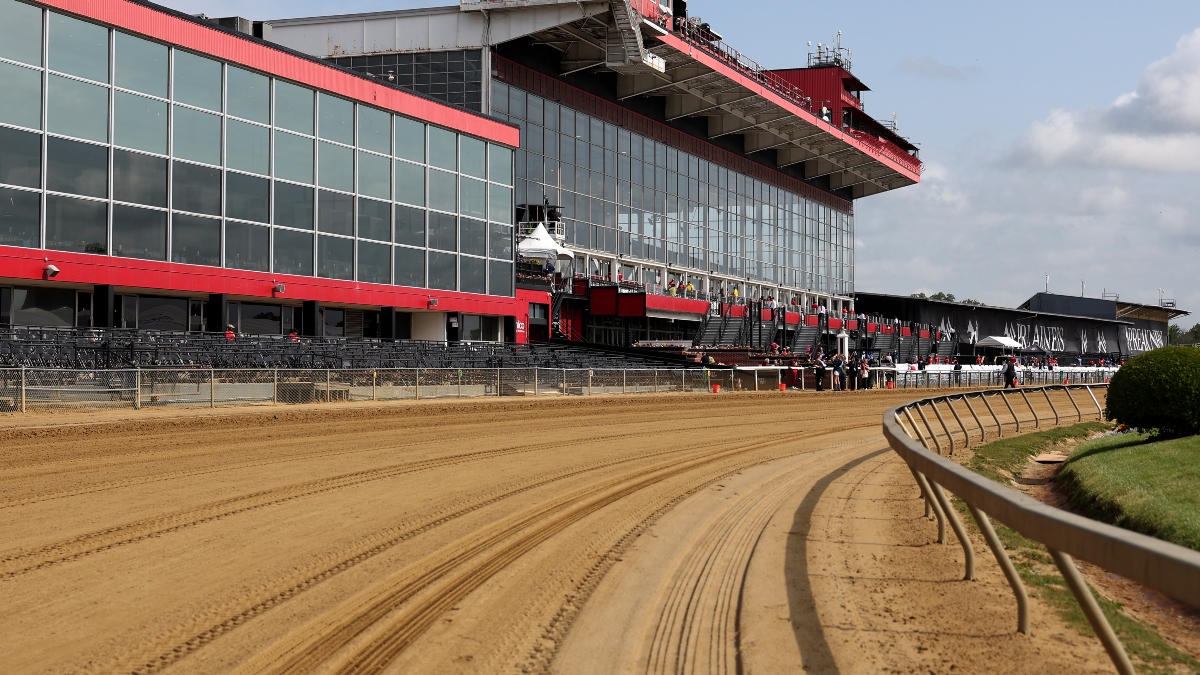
x=843 y=372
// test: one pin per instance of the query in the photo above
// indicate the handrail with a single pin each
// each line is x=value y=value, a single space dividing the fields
x=1169 y=568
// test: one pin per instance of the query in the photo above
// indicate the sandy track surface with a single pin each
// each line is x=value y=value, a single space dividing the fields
x=732 y=533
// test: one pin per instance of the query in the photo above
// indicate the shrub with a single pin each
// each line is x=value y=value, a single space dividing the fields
x=1158 y=390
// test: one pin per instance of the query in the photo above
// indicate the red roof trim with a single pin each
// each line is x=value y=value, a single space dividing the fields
x=180 y=32
x=756 y=87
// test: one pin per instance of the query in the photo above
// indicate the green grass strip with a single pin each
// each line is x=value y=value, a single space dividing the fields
x=1148 y=487
x=1151 y=654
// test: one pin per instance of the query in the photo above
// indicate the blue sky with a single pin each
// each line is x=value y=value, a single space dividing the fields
x=1038 y=158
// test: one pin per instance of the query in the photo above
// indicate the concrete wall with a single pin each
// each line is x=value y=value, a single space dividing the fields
x=429 y=326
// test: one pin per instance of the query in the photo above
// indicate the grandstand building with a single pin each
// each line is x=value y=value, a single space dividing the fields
x=375 y=175
x=677 y=171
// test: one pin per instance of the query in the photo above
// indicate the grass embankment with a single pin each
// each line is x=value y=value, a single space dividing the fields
x=1148 y=487
x=1007 y=457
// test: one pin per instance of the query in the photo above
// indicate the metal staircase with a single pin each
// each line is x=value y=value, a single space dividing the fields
x=624 y=49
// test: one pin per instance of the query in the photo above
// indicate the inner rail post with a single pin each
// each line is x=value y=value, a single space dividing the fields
x=931 y=503
x=959 y=530
x=1046 y=393
x=988 y=405
x=932 y=435
x=1099 y=410
x=1037 y=421
x=1091 y=608
x=966 y=436
x=982 y=431
x=1078 y=412
x=1004 y=395
x=1010 y=571
x=945 y=428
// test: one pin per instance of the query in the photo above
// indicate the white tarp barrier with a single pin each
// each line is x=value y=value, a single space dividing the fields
x=539 y=244
x=998 y=341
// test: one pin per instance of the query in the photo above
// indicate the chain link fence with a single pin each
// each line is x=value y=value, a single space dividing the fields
x=25 y=389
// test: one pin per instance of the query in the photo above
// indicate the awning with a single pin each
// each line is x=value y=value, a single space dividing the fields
x=998 y=341
x=539 y=244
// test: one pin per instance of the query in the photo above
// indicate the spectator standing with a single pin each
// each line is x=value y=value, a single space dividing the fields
x=839 y=383
x=1009 y=371
x=819 y=372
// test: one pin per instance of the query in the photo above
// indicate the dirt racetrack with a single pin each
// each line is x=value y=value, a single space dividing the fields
x=756 y=533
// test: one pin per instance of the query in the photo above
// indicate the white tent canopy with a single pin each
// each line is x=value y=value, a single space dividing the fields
x=539 y=244
x=998 y=341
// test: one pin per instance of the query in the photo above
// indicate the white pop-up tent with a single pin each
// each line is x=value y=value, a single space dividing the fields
x=539 y=244
x=998 y=341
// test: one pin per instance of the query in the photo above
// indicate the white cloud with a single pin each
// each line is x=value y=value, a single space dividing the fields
x=1154 y=128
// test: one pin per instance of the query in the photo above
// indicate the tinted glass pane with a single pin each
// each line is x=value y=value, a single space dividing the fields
x=442 y=272
x=442 y=191
x=197 y=136
x=410 y=226
x=76 y=225
x=294 y=206
x=78 y=109
x=78 y=48
x=197 y=81
x=293 y=107
x=43 y=307
x=246 y=246
x=335 y=258
x=195 y=240
x=500 y=241
x=501 y=205
x=21 y=32
x=261 y=319
x=247 y=147
x=500 y=164
x=410 y=139
x=374 y=220
x=410 y=183
x=20 y=158
x=410 y=267
x=335 y=322
x=249 y=95
x=20 y=223
x=139 y=179
x=474 y=237
x=474 y=198
x=374 y=175
x=374 y=130
x=196 y=189
x=293 y=253
x=141 y=65
x=473 y=157
x=293 y=158
x=78 y=168
x=337 y=119
x=336 y=168
x=474 y=275
x=247 y=197
x=162 y=313
x=140 y=122
x=139 y=233
x=443 y=148
x=374 y=263
x=501 y=277
x=443 y=231
x=335 y=213
x=22 y=101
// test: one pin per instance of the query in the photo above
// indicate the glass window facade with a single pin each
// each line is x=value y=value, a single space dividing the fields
x=153 y=152
x=623 y=193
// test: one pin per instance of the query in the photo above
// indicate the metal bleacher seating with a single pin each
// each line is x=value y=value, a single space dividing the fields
x=102 y=349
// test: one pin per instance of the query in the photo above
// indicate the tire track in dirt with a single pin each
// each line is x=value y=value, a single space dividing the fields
x=324 y=637
x=91 y=543
x=184 y=639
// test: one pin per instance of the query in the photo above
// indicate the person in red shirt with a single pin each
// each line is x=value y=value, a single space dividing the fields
x=229 y=334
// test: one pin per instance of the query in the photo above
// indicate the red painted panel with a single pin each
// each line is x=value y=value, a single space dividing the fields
x=603 y=301
x=905 y=331
x=631 y=304
x=852 y=324
x=791 y=318
x=764 y=314
x=872 y=327
x=197 y=37
x=812 y=320
x=736 y=310
x=667 y=303
x=923 y=333
x=835 y=324
x=910 y=168
x=889 y=328
x=148 y=275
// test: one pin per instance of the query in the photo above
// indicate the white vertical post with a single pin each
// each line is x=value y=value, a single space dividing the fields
x=622 y=380
x=497 y=382
x=328 y=387
x=656 y=380
x=417 y=384
x=212 y=387
x=275 y=386
x=589 y=382
x=374 y=385
x=137 y=389
x=22 y=388
x=460 y=382
x=535 y=382
x=683 y=380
